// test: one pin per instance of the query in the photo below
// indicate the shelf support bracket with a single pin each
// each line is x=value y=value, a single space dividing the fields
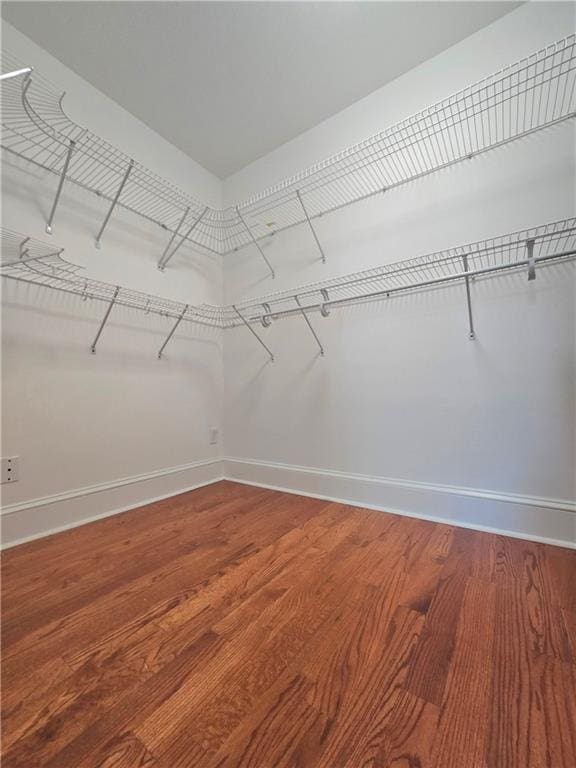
x=255 y=242
x=105 y=320
x=113 y=205
x=309 y=324
x=531 y=260
x=167 y=256
x=322 y=254
x=174 y=234
x=173 y=331
x=253 y=332
x=60 y=185
x=23 y=251
x=471 y=333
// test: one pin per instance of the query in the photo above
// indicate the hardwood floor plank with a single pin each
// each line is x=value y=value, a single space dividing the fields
x=433 y=654
x=410 y=733
x=533 y=694
x=122 y=751
x=357 y=733
x=466 y=697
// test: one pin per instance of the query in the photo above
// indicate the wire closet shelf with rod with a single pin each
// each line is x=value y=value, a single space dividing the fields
x=31 y=261
x=530 y=95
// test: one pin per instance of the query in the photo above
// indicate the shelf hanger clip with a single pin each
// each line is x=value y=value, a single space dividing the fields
x=324 y=310
x=266 y=318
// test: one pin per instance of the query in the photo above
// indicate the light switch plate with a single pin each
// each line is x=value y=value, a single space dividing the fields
x=213 y=434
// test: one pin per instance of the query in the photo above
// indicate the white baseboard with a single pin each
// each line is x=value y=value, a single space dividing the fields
x=40 y=517
x=550 y=521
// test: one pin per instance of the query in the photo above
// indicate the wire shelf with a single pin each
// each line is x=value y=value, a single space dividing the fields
x=532 y=94
x=37 y=263
x=549 y=243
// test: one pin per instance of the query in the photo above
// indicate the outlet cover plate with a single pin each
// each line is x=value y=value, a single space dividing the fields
x=9 y=469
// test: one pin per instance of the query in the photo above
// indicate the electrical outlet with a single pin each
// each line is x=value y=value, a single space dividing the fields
x=9 y=469
x=213 y=432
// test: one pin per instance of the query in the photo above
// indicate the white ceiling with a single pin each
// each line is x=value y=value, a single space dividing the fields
x=227 y=82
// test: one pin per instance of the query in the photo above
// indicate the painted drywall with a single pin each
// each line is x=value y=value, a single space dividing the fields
x=78 y=421
x=403 y=413
x=402 y=395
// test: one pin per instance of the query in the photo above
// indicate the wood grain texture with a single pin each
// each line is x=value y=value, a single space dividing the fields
x=236 y=627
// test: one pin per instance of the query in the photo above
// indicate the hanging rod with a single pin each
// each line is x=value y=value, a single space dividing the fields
x=527 y=96
x=31 y=261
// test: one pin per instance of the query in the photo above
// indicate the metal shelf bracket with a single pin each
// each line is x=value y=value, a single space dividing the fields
x=60 y=185
x=471 y=333
x=105 y=319
x=309 y=324
x=173 y=331
x=167 y=255
x=174 y=234
x=531 y=261
x=253 y=332
x=256 y=243
x=114 y=202
x=322 y=254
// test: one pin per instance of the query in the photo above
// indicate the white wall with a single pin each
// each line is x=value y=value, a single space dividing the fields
x=404 y=412
x=403 y=397
x=85 y=424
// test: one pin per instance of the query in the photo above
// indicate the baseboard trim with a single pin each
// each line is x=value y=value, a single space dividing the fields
x=22 y=523
x=544 y=520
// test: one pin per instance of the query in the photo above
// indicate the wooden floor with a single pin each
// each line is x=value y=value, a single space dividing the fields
x=235 y=627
